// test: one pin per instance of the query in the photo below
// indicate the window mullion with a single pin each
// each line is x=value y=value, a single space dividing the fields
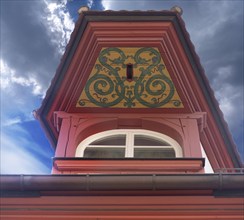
x=130 y=144
x=127 y=153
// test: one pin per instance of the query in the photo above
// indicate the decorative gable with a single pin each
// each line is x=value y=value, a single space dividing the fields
x=129 y=77
x=123 y=69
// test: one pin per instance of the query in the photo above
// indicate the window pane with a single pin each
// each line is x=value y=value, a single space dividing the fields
x=111 y=140
x=143 y=140
x=154 y=153
x=104 y=152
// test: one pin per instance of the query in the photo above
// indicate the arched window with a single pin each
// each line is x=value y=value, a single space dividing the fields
x=129 y=143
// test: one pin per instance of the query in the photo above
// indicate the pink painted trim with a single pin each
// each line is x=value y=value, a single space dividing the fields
x=127 y=166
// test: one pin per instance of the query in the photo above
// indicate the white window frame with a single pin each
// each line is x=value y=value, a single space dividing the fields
x=129 y=145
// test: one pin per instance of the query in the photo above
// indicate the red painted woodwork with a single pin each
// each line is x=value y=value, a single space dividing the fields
x=160 y=34
x=183 y=128
x=200 y=121
x=67 y=166
x=122 y=207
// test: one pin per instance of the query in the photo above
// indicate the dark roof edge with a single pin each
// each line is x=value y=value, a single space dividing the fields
x=41 y=113
x=118 y=182
x=208 y=92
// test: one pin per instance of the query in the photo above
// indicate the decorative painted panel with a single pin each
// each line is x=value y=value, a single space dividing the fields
x=129 y=78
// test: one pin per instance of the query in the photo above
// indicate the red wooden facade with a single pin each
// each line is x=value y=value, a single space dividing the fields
x=130 y=188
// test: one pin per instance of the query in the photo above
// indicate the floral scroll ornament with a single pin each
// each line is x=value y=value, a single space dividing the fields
x=150 y=87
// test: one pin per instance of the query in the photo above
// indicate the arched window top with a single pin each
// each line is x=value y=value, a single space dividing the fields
x=129 y=143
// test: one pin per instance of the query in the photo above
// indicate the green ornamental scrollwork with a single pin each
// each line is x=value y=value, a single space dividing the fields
x=151 y=87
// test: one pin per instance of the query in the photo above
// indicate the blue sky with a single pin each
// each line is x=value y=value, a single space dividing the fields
x=33 y=38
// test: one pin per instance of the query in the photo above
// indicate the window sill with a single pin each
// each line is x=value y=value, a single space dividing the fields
x=128 y=165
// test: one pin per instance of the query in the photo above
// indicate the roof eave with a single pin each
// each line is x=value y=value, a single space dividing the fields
x=13 y=184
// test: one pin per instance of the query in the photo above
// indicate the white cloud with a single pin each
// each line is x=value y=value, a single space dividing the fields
x=12 y=121
x=27 y=71
x=22 y=162
x=90 y=2
x=9 y=78
x=231 y=103
x=16 y=158
x=221 y=75
x=106 y=4
x=31 y=49
x=59 y=23
x=229 y=97
x=5 y=74
x=210 y=17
